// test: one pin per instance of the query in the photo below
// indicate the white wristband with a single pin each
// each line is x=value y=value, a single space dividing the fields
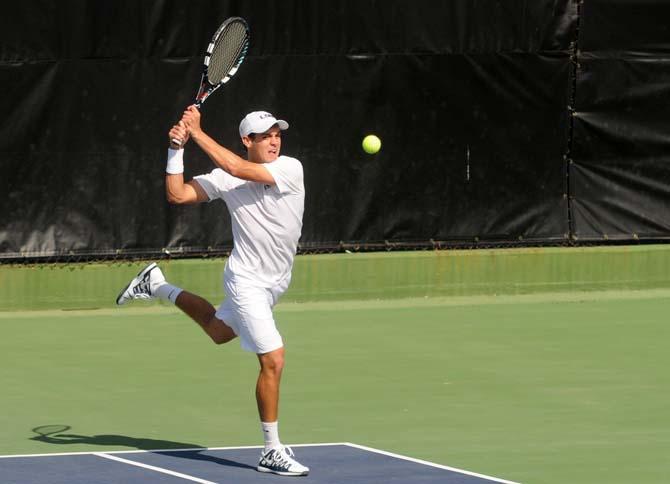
x=175 y=162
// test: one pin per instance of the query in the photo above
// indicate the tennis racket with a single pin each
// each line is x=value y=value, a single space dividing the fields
x=225 y=53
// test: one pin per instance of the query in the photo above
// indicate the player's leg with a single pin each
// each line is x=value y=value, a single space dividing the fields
x=250 y=309
x=267 y=386
x=203 y=313
x=276 y=458
x=150 y=283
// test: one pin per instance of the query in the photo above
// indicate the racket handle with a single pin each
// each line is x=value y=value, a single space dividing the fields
x=177 y=142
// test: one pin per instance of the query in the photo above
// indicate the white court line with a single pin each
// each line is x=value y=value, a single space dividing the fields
x=66 y=454
x=153 y=468
x=427 y=463
x=139 y=451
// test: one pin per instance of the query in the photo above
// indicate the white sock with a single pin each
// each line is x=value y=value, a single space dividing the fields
x=271 y=435
x=167 y=292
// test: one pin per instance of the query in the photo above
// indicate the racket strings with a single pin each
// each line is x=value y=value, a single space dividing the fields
x=229 y=47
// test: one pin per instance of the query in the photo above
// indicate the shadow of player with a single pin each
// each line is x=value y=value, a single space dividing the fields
x=181 y=450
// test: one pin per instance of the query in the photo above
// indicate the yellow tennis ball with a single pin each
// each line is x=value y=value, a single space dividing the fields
x=371 y=144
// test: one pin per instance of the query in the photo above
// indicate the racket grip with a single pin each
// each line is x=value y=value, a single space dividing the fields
x=178 y=142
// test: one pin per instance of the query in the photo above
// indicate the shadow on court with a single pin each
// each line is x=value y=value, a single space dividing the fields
x=154 y=459
x=54 y=434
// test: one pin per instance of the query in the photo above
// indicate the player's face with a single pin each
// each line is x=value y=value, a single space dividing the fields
x=265 y=147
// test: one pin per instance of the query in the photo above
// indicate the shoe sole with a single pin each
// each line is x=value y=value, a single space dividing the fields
x=141 y=274
x=280 y=473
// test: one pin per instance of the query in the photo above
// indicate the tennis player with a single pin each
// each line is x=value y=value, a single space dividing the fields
x=265 y=197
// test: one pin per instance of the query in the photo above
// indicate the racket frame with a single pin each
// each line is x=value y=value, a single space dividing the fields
x=206 y=86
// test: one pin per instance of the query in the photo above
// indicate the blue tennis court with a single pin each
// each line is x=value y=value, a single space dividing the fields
x=341 y=463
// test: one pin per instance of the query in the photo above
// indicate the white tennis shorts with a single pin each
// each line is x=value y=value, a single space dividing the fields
x=247 y=309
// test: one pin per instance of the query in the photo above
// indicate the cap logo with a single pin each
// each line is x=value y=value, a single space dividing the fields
x=265 y=115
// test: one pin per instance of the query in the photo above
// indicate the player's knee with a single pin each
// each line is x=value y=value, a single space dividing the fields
x=218 y=331
x=221 y=338
x=273 y=362
x=279 y=363
x=218 y=339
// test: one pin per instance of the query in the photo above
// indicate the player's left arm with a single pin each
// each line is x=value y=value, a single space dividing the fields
x=223 y=157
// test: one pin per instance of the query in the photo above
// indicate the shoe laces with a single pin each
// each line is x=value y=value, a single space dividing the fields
x=283 y=456
x=143 y=288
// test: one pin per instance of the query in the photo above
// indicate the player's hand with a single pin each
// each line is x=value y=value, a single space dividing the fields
x=191 y=119
x=179 y=133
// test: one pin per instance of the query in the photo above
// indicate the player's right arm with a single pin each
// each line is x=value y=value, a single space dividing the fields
x=180 y=193
x=176 y=191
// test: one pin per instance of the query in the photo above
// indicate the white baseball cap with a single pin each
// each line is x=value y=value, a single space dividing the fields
x=260 y=122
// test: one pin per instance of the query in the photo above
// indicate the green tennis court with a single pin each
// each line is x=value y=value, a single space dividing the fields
x=507 y=379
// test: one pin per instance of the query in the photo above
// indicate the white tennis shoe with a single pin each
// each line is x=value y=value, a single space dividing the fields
x=143 y=286
x=281 y=461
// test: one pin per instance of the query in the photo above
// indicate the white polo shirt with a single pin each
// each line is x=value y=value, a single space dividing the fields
x=266 y=220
